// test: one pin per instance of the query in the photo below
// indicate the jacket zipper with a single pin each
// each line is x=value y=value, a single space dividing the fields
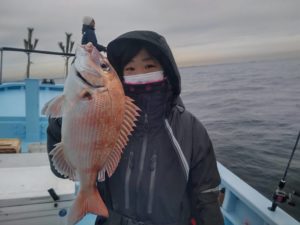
x=184 y=163
x=143 y=154
x=153 y=164
x=127 y=179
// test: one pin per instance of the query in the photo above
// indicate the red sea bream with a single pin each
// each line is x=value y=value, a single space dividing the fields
x=97 y=120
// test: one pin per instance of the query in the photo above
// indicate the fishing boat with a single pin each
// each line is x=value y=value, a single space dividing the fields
x=31 y=194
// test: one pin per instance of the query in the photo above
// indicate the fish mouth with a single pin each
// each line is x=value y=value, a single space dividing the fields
x=84 y=80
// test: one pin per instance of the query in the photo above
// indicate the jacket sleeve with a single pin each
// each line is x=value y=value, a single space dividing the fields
x=101 y=48
x=204 y=179
x=90 y=36
x=53 y=137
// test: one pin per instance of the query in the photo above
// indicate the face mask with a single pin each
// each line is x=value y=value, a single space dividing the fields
x=144 y=78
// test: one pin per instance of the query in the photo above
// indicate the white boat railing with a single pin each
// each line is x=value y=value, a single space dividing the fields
x=243 y=205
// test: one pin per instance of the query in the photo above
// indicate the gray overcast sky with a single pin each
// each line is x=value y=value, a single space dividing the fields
x=198 y=31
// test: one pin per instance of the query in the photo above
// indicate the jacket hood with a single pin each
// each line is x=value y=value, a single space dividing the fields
x=114 y=51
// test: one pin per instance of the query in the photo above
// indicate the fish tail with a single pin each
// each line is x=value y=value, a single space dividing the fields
x=87 y=202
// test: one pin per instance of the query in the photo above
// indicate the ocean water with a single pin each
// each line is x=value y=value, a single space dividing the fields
x=252 y=114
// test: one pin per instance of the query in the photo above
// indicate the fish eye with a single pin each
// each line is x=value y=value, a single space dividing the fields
x=105 y=67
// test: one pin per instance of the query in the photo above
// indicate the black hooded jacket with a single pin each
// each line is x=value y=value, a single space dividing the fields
x=88 y=35
x=167 y=173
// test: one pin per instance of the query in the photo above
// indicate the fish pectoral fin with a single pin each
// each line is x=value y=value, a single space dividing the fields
x=130 y=116
x=53 y=108
x=60 y=163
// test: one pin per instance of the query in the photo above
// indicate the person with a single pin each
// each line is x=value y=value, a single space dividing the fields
x=167 y=173
x=88 y=33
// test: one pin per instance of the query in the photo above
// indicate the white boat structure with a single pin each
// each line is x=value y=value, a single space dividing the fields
x=31 y=194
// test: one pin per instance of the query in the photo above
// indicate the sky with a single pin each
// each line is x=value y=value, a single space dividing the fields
x=199 y=32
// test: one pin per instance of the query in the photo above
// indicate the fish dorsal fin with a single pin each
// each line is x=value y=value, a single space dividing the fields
x=54 y=107
x=60 y=164
x=128 y=124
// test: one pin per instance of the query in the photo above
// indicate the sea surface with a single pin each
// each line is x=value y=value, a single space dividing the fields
x=252 y=114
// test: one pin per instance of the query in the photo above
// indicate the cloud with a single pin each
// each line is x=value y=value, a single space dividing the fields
x=198 y=31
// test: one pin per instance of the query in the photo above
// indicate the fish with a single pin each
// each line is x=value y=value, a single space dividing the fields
x=97 y=120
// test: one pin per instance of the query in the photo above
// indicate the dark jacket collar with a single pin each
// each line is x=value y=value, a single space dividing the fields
x=154 y=99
